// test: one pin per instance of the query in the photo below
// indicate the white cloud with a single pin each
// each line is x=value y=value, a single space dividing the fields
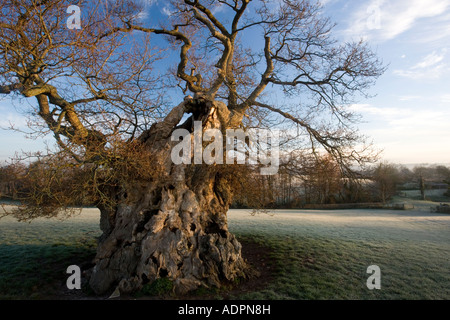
x=142 y=15
x=219 y=7
x=14 y=120
x=409 y=120
x=385 y=20
x=369 y=109
x=149 y=2
x=409 y=98
x=407 y=135
x=327 y=2
x=431 y=60
x=432 y=73
x=436 y=32
x=430 y=67
x=146 y=5
x=166 y=11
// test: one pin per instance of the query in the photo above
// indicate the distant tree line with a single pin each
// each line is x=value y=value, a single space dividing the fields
x=302 y=180
x=305 y=180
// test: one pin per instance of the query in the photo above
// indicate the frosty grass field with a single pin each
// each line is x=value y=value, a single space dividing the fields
x=314 y=254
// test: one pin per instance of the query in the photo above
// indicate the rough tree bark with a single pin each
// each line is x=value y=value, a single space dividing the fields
x=175 y=227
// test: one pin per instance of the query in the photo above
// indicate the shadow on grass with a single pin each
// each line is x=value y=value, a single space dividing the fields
x=39 y=271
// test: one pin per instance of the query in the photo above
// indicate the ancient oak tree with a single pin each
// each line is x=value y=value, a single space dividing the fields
x=103 y=92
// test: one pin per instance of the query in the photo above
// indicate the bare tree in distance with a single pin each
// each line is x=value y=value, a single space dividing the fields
x=386 y=177
x=102 y=93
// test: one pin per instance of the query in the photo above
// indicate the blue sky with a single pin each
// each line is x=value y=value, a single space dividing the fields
x=410 y=116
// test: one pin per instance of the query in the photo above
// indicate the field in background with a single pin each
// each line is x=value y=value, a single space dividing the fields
x=314 y=254
x=430 y=195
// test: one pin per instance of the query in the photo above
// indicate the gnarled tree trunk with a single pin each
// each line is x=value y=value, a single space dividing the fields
x=174 y=226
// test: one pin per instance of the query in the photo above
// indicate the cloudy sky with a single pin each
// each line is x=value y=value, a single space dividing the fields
x=409 y=118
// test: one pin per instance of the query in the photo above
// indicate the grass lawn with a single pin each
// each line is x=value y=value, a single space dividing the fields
x=34 y=256
x=325 y=254
x=314 y=254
